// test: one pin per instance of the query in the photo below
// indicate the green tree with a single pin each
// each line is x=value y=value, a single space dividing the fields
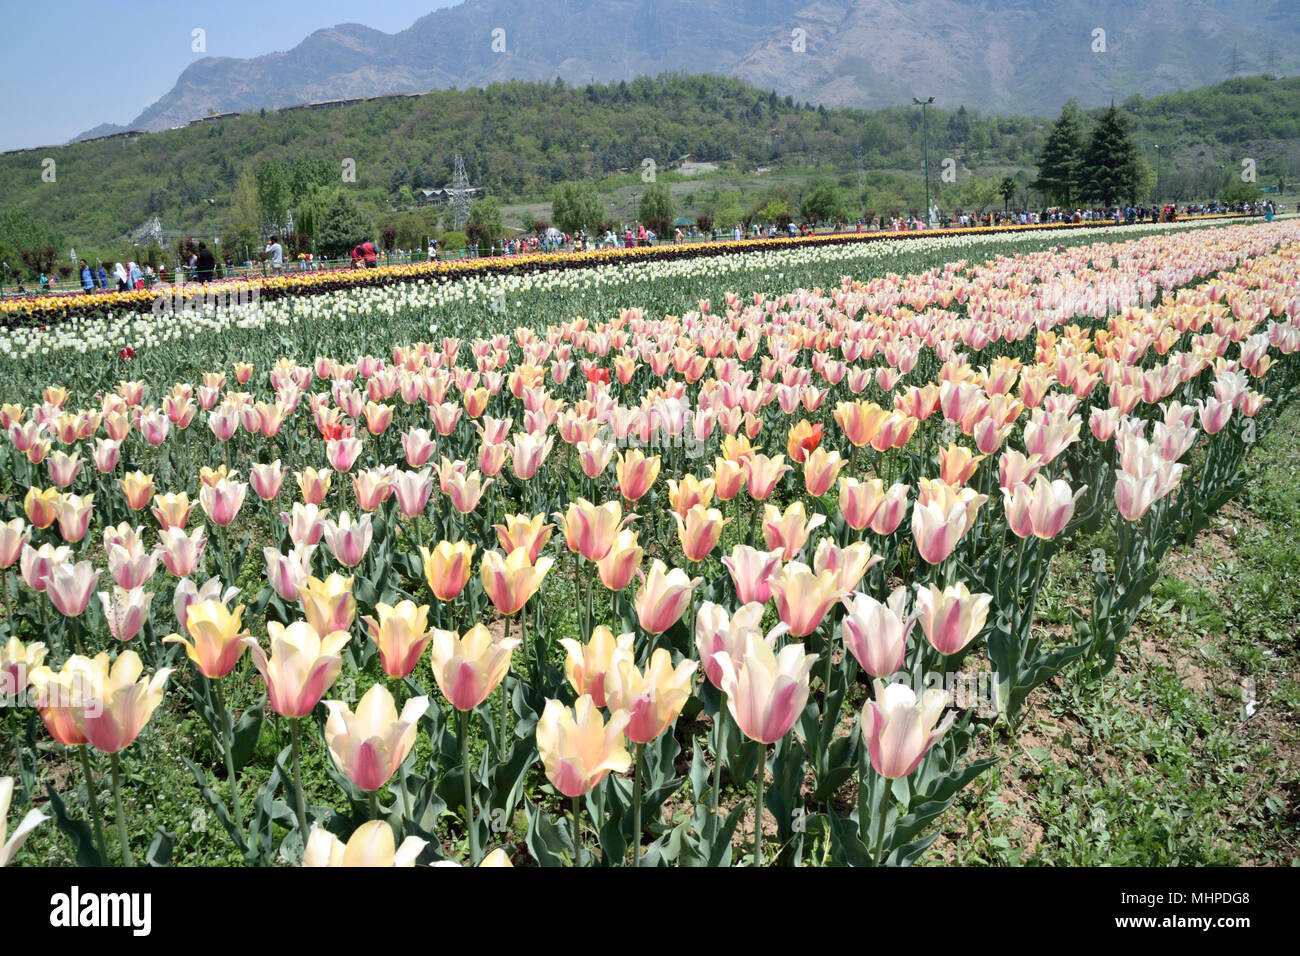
x=656 y=204
x=1110 y=161
x=1238 y=191
x=1007 y=190
x=341 y=225
x=576 y=206
x=1060 y=163
x=824 y=203
x=486 y=221
x=274 y=193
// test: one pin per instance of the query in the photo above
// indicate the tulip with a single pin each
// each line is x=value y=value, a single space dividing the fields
x=287 y=573
x=172 y=511
x=1135 y=495
x=328 y=605
x=803 y=439
x=690 y=491
x=371 y=845
x=527 y=452
x=138 y=489
x=181 y=554
x=413 y=489
x=60 y=696
x=820 y=470
x=216 y=637
x=590 y=530
x=314 y=485
x=401 y=634
x=378 y=418
x=623 y=560
x=762 y=474
x=342 y=453
x=899 y=729
x=70 y=586
x=126 y=611
x=700 y=531
x=939 y=522
x=951 y=618
x=511 y=580
x=469 y=668
x=266 y=480
x=371 y=744
x=802 y=597
x=849 y=563
x=729 y=478
x=636 y=473
x=36 y=563
x=520 y=531
x=41 y=507
x=786 y=533
x=1042 y=511
x=74 y=512
x=373 y=487
x=716 y=633
x=301 y=667
x=751 y=573
x=594 y=456
x=14 y=535
x=875 y=633
x=765 y=692
x=417 y=446
x=348 y=540
x=63 y=468
x=221 y=502
x=663 y=597
x=208 y=477
x=131 y=567
x=10 y=845
x=1014 y=468
x=860 y=420
x=187 y=595
x=578 y=748
x=465 y=492
x=447 y=568
x=653 y=699
x=125 y=704
x=306 y=523
x=17 y=661
x=106 y=455
x=585 y=665
x=957 y=464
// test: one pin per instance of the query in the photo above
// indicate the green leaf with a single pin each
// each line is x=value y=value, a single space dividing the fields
x=247 y=731
x=83 y=841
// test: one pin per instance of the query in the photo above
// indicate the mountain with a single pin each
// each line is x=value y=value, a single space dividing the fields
x=1022 y=56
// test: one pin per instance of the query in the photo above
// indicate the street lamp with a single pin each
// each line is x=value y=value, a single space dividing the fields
x=925 y=139
x=1157 y=145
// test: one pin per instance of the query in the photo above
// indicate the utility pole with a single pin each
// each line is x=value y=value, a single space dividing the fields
x=925 y=139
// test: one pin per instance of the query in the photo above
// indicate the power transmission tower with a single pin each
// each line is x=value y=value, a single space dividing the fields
x=460 y=193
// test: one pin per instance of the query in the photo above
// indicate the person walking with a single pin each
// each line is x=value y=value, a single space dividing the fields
x=122 y=277
x=87 y=278
x=207 y=264
x=276 y=252
x=136 y=277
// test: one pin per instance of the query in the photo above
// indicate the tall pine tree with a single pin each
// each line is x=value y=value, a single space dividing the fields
x=1061 y=159
x=1110 y=161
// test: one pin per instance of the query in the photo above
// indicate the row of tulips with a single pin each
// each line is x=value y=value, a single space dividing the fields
x=859 y=545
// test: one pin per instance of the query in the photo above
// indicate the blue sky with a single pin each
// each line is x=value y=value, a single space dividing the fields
x=72 y=65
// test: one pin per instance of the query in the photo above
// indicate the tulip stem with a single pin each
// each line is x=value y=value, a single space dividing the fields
x=717 y=756
x=228 y=745
x=636 y=806
x=92 y=798
x=299 y=799
x=879 y=797
x=469 y=795
x=577 y=832
x=758 y=809
x=122 y=837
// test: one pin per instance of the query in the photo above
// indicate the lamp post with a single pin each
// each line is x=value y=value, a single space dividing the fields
x=1157 y=173
x=925 y=139
x=212 y=205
